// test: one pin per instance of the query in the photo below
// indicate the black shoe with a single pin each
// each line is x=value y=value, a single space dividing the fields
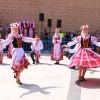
x=34 y=62
x=84 y=79
x=18 y=82
x=56 y=63
x=14 y=76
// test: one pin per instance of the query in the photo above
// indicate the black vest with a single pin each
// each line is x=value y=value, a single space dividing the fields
x=89 y=43
x=17 y=42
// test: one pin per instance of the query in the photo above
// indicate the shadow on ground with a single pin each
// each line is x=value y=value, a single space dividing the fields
x=93 y=71
x=35 y=88
x=91 y=83
x=41 y=63
x=4 y=64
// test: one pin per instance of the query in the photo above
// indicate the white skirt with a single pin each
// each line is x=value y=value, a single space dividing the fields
x=18 y=59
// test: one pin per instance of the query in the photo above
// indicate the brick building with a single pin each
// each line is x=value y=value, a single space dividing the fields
x=73 y=13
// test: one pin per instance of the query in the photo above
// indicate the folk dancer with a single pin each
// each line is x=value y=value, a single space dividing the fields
x=19 y=60
x=85 y=57
x=21 y=26
x=31 y=29
x=25 y=27
x=1 y=49
x=57 y=51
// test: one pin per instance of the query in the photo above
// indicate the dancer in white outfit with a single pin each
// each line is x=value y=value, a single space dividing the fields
x=57 y=51
x=19 y=60
x=1 y=49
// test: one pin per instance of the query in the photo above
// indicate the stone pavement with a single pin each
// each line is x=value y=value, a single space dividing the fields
x=46 y=81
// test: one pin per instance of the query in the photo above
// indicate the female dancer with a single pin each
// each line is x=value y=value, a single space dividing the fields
x=57 y=51
x=19 y=60
x=84 y=57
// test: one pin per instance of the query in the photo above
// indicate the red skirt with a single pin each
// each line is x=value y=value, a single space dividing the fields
x=55 y=56
x=23 y=63
x=85 y=58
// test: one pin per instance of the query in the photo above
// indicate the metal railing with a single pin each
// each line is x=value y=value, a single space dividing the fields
x=47 y=46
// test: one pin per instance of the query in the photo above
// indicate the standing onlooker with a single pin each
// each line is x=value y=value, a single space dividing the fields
x=78 y=33
x=46 y=39
x=67 y=36
x=71 y=36
x=61 y=34
x=8 y=29
x=45 y=35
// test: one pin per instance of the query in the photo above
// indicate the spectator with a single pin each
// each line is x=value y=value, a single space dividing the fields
x=0 y=27
x=45 y=35
x=78 y=33
x=95 y=35
x=98 y=48
x=46 y=40
x=71 y=36
x=67 y=36
x=61 y=34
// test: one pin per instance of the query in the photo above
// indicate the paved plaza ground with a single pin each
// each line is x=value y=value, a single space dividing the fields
x=47 y=81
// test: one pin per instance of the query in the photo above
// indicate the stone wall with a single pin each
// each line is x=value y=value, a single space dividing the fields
x=73 y=13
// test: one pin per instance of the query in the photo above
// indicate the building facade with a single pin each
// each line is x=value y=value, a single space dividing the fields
x=73 y=13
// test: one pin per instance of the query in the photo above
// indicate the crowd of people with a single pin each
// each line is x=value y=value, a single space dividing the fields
x=83 y=54
x=26 y=27
x=69 y=36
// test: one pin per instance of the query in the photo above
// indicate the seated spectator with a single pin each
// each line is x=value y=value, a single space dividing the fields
x=45 y=35
x=0 y=27
x=72 y=35
x=98 y=48
x=78 y=33
x=67 y=36
x=61 y=34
